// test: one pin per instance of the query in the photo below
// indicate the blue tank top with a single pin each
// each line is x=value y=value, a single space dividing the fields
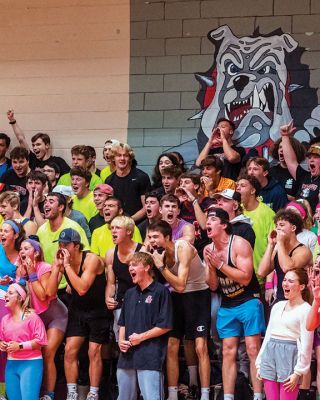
x=6 y=267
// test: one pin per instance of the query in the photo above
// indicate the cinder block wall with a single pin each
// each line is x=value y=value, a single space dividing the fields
x=169 y=44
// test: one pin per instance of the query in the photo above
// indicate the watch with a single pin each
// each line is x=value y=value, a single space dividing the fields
x=20 y=346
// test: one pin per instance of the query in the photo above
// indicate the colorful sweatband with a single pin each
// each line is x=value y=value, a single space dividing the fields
x=13 y=225
x=33 y=277
x=298 y=207
x=27 y=345
x=36 y=245
x=268 y=285
x=317 y=206
x=20 y=290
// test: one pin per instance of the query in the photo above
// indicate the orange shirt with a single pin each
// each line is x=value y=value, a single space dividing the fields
x=224 y=183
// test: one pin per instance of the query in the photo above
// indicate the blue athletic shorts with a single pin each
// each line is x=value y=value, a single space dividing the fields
x=247 y=319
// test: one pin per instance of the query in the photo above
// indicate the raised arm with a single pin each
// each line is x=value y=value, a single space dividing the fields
x=288 y=152
x=19 y=134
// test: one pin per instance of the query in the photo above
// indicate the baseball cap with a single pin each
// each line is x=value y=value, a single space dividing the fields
x=63 y=189
x=104 y=188
x=229 y=194
x=314 y=149
x=219 y=213
x=69 y=235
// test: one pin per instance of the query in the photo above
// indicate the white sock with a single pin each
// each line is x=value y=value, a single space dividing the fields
x=172 y=393
x=72 y=387
x=205 y=392
x=228 y=397
x=257 y=396
x=94 y=389
x=193 y=375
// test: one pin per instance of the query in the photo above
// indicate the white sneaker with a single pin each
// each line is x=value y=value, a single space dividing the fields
x=92 y=396
x=72 y=396
x=44 y=397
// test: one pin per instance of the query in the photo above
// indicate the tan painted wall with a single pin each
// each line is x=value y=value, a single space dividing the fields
x=64 y=69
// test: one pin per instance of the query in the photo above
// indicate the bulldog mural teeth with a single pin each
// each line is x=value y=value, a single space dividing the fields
x=250 y=84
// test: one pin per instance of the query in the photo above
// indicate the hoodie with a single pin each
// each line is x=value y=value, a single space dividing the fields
x=274 y=195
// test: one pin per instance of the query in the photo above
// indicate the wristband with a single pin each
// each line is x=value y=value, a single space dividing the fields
x=33 y=277
x=220 y=266
x=268 y=285
x=12 y=122
x=161 y=268
x=26 y=345
x=194 y=201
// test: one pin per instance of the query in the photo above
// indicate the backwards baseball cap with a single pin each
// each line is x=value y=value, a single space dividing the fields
x=314 y=149
x=219 y=213
x=69 y=235
x=63 y=189
x=229 y=194
x=104 y=188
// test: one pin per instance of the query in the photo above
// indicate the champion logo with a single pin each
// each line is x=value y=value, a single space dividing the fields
x=148 y=300
x=200 y=328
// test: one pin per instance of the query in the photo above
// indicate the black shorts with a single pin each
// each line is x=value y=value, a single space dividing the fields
x=93 y=325
x=191 y=314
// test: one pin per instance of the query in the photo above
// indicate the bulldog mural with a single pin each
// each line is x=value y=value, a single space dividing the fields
x=252 y=83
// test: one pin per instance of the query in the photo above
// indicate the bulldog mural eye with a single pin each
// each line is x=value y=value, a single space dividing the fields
x=251 y=84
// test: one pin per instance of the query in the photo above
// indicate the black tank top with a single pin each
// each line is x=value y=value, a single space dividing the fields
x=281 y=274
x=94 y=299
x=233 y=293
x=123 y=278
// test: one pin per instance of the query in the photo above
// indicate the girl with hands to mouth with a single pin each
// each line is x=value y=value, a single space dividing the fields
x=22 y=334
x=285 y=354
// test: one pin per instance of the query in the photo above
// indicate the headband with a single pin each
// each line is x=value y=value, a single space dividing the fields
x=318 y=206
x=301 y=210
x=34 y=244
x=20 y=290
x=13 y=225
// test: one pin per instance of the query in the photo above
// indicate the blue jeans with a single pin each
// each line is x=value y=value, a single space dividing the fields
x=23 y=379
x=150 y=384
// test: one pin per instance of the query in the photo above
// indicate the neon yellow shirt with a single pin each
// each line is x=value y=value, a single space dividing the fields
x=47 y=240
x=66 y=180
x=85 y=205
x=101 y=240
x=105 y=172
x=262 y=218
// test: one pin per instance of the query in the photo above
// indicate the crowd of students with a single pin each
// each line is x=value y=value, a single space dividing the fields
x=222 y=257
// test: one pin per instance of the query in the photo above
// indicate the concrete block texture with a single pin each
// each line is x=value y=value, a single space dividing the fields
x=162 y=137
x=163 y=65
x=138 y=30
x=146 y=83
x=137 y=65
x=315 y=6
x=243 y=26
x=145 y=119
x=232 y=8
x=135 y=137
x=136 y=101
x=183 y=46
x=178 y=119
x=147 y=156
x=189 y=100
x=162 y=101
x=182 y=10
x=269 y=24
x=305 y=23
x=199 y=26
x=194 y=64
x=288 y=7
x=146 y=10
x=147 y=47
x=180 y=82
x=164 y=29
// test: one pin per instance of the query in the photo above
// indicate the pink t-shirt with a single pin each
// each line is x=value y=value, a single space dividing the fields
x=27 y=329
x=39 y=305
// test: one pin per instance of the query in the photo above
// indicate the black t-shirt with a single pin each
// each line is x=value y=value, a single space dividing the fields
x=35 y=163
x=11 y=181
x=24 y=206
x=308 y=187
x=142 y=311
x=129 y=189
x=95 y=222
x=229 y=170
x=143 y=226
x=283 y=176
